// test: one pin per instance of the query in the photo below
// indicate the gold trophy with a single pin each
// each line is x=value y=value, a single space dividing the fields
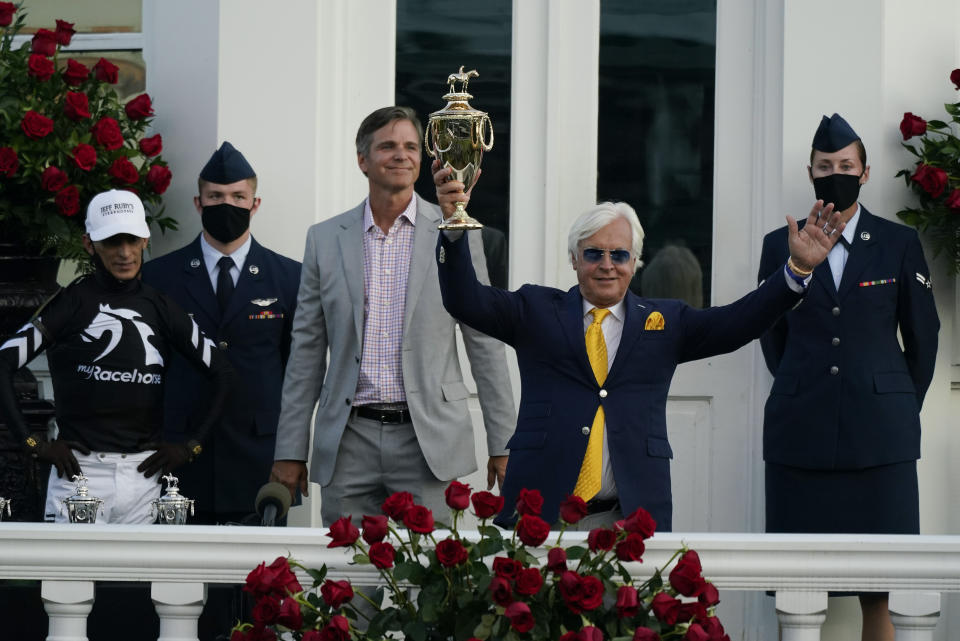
x=457 y=135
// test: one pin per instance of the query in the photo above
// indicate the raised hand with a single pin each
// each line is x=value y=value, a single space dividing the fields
x=449 y=192
x=809 y=246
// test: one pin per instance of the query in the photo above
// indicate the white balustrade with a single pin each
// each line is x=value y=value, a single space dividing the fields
x=179 y=560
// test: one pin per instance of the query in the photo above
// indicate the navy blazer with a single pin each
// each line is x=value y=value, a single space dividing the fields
x=560 y=394
x=255 y=335
x=845 y=395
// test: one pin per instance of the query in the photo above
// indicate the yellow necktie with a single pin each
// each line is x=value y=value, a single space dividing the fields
x=591 y=471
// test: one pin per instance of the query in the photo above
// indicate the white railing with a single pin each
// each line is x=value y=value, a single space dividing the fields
x=179 y=560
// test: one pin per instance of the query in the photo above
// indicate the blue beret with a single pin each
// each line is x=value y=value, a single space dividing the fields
x=833 y=134
x=226 y=165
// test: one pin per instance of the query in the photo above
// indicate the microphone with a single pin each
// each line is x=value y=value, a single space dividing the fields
x=273 y=501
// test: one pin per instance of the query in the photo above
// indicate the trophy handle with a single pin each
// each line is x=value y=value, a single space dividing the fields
x=427 y=140
x=483 y=126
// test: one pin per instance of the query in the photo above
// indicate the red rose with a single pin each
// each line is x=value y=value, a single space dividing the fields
x=151 y=147
x=336 y=593
x=64 y=32
x=631 y=548
x=40 y=67
x=397 y=505
x=139 y=108
x=557 y=560
x=107 y=133
x=259 y=633
x=569 y=588
x=486 y=504
x=7 y=9
x=343 y=533
x=591 y=592
x=665 y=608
x=532 y=530
x=601 y=539
x=912 y=126
x=337 y=630
x=158 y=177
x=506 y=568
x=68 y=200
x=258 y=581
x=35 y=125
x=641 y=634
x=953 y=200
x=932 y=179
x=85 y=156
x=529 y=581
x=569 y=636
x=105 y=71
x=76 y=106
x=955 y=77
x=290 y=616
x=713 y=627
x=309 y=635
x=573 y=509
x=44 y=42
x=520 y=617
x=382 y=554
x=284 y=581
x=419 y=519
x=52 y=179
x=123 y=171
x=374 y=527
x=685 y=576
x=457 y=495
x=450 y=553
x=590 y=633
x=266 y=610
x=709 y=595
x=529 y=502
x=500 y=591
x=627 y=602
x=640 y=522
x=9 y=162
x=75 y=73
x=696 y=633
x=692 y=611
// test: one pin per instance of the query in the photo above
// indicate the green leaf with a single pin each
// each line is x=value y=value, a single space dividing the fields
x=318 y=576
x=415 y=630
x=952 y=109
x=911 y=149
x=490 y=532
x=936 y=124
x=488 y=547
x=576 y=552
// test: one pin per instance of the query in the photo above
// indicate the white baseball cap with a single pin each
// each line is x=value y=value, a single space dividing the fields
x=116 y=212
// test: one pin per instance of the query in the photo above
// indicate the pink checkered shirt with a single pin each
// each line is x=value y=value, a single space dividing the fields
x=386 y=266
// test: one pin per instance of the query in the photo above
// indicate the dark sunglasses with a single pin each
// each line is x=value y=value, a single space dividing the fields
x=617 y=256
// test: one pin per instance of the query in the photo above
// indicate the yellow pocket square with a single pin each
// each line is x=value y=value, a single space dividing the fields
x=654 y=321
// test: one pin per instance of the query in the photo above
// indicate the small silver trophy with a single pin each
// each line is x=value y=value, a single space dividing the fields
x=171 y=508
x=82 y=508
x=5 y=507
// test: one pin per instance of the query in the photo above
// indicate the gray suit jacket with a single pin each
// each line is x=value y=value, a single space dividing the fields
x=330 y=315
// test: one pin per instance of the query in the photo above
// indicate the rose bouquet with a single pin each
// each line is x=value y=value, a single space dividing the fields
x=935 y=178
x=65 y=136
x=503 y=587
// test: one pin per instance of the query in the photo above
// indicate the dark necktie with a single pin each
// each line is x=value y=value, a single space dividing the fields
x=224 y=282
x=846 y=243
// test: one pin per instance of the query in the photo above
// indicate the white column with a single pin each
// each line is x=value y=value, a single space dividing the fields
x=178 y=605
x=68 y=603
x=801 y=615
x=915 y=614
x=553 y=120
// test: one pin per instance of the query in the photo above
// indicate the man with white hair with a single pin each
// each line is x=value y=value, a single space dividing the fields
x=108 y=338
x=596 y=361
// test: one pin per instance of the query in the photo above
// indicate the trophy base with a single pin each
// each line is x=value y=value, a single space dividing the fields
x=460 y=220
x=462 y=225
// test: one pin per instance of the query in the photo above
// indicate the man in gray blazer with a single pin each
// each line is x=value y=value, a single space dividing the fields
x=392 y=412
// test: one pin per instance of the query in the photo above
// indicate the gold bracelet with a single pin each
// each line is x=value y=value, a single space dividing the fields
x=792 y=266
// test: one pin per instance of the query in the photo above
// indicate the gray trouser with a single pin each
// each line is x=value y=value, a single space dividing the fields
x=374 y=461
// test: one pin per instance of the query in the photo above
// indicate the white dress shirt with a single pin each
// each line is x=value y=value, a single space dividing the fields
x=212 y=256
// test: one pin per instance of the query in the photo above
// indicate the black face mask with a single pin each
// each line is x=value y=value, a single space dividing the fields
x=225 y=222
x=840 y=189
